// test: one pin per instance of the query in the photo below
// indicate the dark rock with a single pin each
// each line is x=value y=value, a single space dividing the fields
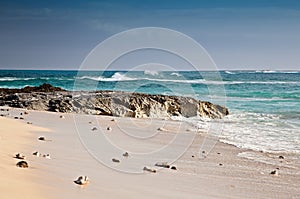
x=110 y=103
x=116 y=160
x=163 y=164
x=173 y=168
x=281 y=157
x=42 y=138
x=22 y=164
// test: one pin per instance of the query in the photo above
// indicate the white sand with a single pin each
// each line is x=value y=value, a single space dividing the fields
x=238 y=177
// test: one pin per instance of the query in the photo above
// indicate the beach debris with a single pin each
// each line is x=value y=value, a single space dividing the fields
x=36 y=154
x=82 y=180
x=22 y=164
x=115 y=160
x=173 y=167
x=108 y=128
x=94 y=128
x=61 y=116
x=149 y=169
x=281 y=157
x=42 y=138
x=275 y=172
x=161 y=129
x=112 y=120
x=26 y=113
x=163 y=164
x=126 y=154
x=29 y=122
x=20 y=156
x=47 y=156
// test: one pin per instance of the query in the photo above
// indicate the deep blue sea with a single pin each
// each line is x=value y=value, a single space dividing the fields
x=264 y=105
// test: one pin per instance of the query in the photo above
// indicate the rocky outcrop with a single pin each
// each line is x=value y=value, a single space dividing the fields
x=113 y=103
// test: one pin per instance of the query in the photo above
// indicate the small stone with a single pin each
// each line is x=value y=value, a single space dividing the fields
x=47 y=156
x=108 y=128
x=29 y=122
x=22 y=164
x=220 y=164
x=82 y=180
x=62 y=116
x=16 y=118
x=36 y=154
x=112 y=120
x=193 y=156
x=42 y=138
x=281 y=157
x=26 y=113
x=21 y=118
x=20 y=156
x=274 y=172
x=218 y=153
x=203 y=151
x=163 y=164
x=94 y=128
x=149 y=170
x=173 y=168
x=115 y=160
x=161 y=129
x=21 y=113
x=126 y=154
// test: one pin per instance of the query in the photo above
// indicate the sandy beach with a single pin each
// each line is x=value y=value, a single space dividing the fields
x=223 y=173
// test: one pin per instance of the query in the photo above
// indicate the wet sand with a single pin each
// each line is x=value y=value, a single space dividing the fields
x=77 y=150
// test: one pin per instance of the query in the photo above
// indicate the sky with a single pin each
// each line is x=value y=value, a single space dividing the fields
x=237 y=34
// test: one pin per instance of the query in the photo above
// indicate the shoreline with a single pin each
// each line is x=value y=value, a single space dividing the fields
x=222 y=169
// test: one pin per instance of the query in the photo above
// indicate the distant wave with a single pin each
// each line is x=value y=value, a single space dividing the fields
x=115 y=78
x=14 y=79
x=176 y=74
x=274 y=71
x=151 y=72
x=229 y=72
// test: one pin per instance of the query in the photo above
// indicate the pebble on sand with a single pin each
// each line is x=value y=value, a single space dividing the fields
x=149 y=170
x=22 y=164
x=36 y=154
x=108 y=128
x=94 y=128
x=20 y=156
x=173 y=168
x=161 y=129
x=281 y=157
x=29 y=122
x=42 y=138
x=82 y=180
x=61 y=116
x=162 y=164
x=47 y=156
x=126 y=154
x=115 y=160
x=275 y=172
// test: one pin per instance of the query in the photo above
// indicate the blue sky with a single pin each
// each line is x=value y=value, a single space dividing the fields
x=238 y=34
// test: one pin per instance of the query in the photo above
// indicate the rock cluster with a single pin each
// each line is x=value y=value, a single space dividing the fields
x=112 y=103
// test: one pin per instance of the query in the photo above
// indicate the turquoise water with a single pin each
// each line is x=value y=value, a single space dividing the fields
x=264 y=105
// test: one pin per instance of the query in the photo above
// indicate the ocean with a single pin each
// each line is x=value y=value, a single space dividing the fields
x=264 y=105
